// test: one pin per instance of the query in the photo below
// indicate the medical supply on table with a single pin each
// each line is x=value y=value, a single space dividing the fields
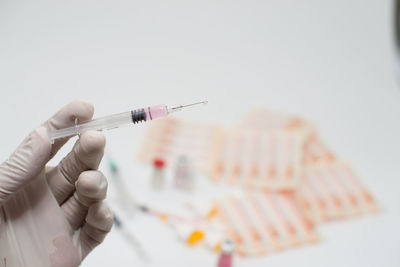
x=249 y=158
x=242 y=157
x=130 y=205
x=212 y=230
x=262 y=222
x=158 y=175
x=183 y=174
x=171 y=138
x=226 y=256
x=118 y=120
x=190 y=233
x=258 y=222
x=167 y=216
x=189 y=229
x=200 y=231
x=328 y=188
x=267 y=120
x=271 y=152
x=133 y=241
x=124 y=197
x=331 y=190
x=289 y=180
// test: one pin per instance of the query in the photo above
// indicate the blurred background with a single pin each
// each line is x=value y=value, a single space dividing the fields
x=332 y=62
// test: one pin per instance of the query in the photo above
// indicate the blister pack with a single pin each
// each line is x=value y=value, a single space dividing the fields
x=257 y=159
x=259 y=222
x=289 y=180
x=331 y=190
x=328 y=188
x=170 y=138
x=242 y=157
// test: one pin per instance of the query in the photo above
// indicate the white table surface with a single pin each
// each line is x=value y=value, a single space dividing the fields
x=332 y=62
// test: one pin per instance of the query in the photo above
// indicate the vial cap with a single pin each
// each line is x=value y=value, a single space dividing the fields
x=158 y=163
x=227 y=246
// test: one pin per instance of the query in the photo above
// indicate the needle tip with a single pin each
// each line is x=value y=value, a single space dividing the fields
x=176 y=108
x=196 y=103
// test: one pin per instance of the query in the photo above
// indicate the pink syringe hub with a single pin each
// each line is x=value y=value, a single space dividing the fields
x=156 y=112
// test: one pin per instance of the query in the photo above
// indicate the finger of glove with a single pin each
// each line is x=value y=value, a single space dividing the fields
x=85 y=155
x=25 y=163
x=76 y=110
x=91 y=187
x=98 y=223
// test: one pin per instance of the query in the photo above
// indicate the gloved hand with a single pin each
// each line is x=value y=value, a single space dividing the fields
x=53 y=216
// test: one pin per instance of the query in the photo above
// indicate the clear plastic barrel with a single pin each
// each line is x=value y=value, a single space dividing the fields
x=104 y=123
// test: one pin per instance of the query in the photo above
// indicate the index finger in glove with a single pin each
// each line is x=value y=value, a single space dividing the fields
x=76 y=110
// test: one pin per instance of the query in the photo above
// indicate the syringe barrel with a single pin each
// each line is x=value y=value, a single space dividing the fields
x=104 y=123
x=112 y=121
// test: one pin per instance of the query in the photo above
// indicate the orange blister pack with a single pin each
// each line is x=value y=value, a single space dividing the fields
x=328 y=188
x=260 y=222
x=257 y=159
x=170 y=138
x=289 y=179
x=331 y=190
x=247 y=158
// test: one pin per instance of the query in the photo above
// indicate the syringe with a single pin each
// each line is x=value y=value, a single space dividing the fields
x=117 y=120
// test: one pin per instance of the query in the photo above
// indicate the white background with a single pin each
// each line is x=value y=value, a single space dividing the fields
x=332 y=62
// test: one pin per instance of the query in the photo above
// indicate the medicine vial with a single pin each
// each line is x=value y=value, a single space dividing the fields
x=226 y=257
x=158 y=176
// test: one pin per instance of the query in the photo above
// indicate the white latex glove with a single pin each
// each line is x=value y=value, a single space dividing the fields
x=53 y=216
